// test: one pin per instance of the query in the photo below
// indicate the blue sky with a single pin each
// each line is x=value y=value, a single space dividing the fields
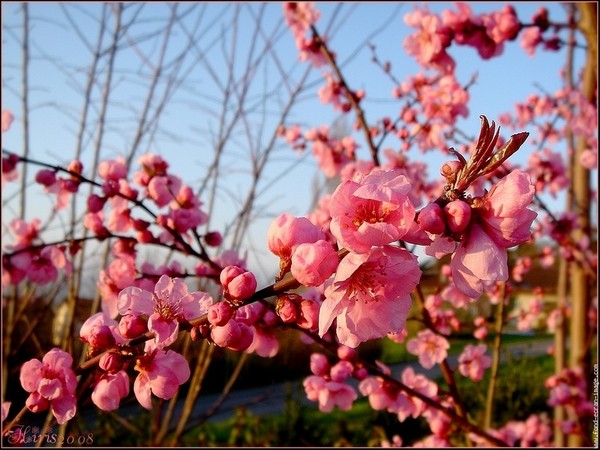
x=189 y=125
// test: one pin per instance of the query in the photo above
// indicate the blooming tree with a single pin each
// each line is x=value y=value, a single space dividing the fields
x=351 y=270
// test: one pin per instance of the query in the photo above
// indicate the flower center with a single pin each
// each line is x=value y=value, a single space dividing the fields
x=370 y=212
x=366 y=283
x=166 y=308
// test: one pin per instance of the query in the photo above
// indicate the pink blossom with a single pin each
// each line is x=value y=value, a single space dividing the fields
x=531 y=37
x=238 y=284
x=234 y=335
x=5 y=409
x=101 y=331
x=9 y=168
x=370 y=295
x=314 y=263
x=25 y=233
x=286 y=232
x=428 y=44
x=407 y=405
x=329 y=393
x=7 y=119
x=42 y=266
x=473 y=361
x=219 y=313
x=162 y=189
x=167 y=306
x=113 y=169
x=308 y=318
x=51 y=383
x=160 y=373
x=299 y=16
x=429 y=347
x=502 y=25
x=502 y=222
x=119 y=274
x=110 y=390
x=371 y=210
x=263 y=344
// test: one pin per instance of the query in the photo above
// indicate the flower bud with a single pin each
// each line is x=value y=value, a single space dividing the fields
x=213 y=238
x=341 y=371
x=450 y=169
x=220 y=313
x=319 y=364
x=111 y=362
x=346 y=353
x=132 y=326
x=233 y=335
x=431 y=219
x=101 y=337
x=95 y=203
x=314 y=263
x=238 y=284
x=46 y=177
x=458 y=215
x=309 y=315
x=286 y=309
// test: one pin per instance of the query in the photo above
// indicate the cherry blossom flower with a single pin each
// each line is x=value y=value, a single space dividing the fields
x=234 y=335
x=110 y=390
x=314 y=263
x=431 y=348
x=407 y=405
x=5 y=409
x=370 y=295
x=101 y=331
x=473 y=361
x=371 y=210
x=167 y=306
x=7 y=119
x=160 y=373
x=51 y=384
x=286 y=232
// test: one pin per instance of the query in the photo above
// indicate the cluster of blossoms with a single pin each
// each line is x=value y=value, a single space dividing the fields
x=486 y=32
x=327 y=384
x=568 y=389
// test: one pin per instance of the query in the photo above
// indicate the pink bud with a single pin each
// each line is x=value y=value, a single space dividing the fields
x=101 y=337
x=220 y=313
x=286 y=309
x=360 y=373
x=309 y=315
x=111 y=362
x=233 y=335
x=431 y=219
x=213 y=238
x=132 y=326
x=95 y=203
x=238 y=284
x=340 y=371
x=346 y=353
x=319 y=364
x=458 y=215
x=46 y=177
x=287 y=231
x=314 y=263
x=450 y=169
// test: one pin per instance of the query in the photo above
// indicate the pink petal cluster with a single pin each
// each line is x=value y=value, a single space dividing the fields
x=431 y=348
x=327 y=384
x=497 y=221
x=51 y=384
x=238 y=284
x=473 y=361
x=166 y=307
x=371 y=210
x=370 y=295
x=160 y=373
x=314 y=263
